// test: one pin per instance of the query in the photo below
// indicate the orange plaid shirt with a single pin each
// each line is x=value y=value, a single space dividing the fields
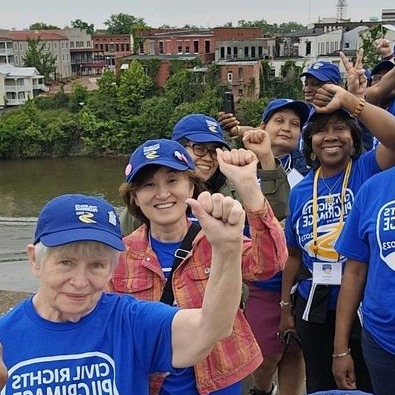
x=139 y=273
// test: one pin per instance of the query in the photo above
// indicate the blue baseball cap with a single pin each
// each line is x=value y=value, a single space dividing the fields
x=163 y=152
x=383 y=65
x=314 y=114
x=324 y=72
x=76 y=217
x=199 y=128
x=300 y=107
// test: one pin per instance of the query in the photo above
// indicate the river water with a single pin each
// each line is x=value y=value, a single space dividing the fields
x=26 y=185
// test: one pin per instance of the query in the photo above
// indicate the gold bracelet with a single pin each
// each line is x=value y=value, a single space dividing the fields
x=342 y=354
x=359 y=108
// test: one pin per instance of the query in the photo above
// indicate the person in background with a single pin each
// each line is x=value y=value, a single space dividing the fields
x=154 y=191
x=318 y=74
x=282 y=119
x=72 y=337
x=201 y=135
x=320 y=205
x=3 y=369
x=367 y=241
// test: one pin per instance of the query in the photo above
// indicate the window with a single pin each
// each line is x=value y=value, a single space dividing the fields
x=253 y=55
x=179 y=49
x=222 y=52
x=240 y=92
x=161 y=47
x=246 y=52
x=308 y=48
x=207 y=46
x=228 y=52
x=260 y=52
x=187 y=49
x=196 y=46
x=88 y=44
x=235 y=52
x=71 y=44
x=230 y=76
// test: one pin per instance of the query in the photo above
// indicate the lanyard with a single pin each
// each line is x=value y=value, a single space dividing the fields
x=315 y=203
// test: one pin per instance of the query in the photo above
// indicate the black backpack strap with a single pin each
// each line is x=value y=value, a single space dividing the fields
x=179 y=255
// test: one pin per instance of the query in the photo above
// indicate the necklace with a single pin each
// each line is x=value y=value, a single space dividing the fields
x=329 y=199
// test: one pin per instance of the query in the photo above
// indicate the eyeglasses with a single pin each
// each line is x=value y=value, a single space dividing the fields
x=201 y=150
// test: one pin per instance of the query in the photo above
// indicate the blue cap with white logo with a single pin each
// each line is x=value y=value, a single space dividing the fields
x=199 y=128
x=163 y=152
x=76 y=217
x=324 y=72
x=300 y=107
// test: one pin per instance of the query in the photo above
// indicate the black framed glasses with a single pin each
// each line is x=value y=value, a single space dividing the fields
x=202 y=150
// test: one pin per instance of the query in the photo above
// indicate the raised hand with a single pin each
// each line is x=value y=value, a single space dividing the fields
x=229 y=123
x=329 y=98
x=238 y=165
x=221 y=217
x=258 y=141
x=356 y=78
x=383 y=47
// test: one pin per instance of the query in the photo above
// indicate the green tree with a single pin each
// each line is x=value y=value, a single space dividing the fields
x=38 y=57
x=134 y=87
x=124 y=24
x=371 y=56
x=79 y=24
x=43 y=26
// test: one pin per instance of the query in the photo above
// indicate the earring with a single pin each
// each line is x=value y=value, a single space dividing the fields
x=313 y=156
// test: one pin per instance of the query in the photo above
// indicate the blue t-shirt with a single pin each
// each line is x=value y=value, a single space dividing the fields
x=369 y=237
x=112 y=350
x=299 y=224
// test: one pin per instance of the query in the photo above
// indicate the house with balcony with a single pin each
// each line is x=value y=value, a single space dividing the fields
x=18 y=84
x=54 y=43
x=6 y=50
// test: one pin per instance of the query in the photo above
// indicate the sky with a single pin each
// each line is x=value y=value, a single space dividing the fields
x=203 y=13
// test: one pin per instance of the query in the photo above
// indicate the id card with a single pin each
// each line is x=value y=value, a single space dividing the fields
x=327 y=273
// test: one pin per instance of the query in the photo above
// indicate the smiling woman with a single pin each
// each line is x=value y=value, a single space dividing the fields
x=160 y=177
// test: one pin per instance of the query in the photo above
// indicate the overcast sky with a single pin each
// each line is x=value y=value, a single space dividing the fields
x=21 y=14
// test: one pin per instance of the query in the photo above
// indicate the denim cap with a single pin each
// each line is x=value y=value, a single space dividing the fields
x=163 y=152
x=199 y=128
x=324 y=71
x=300 y=107
x=383 y=65
x=76 y=217
x=314 y=114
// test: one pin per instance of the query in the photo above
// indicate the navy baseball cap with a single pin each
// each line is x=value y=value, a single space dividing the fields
x=383 y=65
x=163 y=152
x=324 y=71
x=76 y=217
x=300 y=107
x=199 y=128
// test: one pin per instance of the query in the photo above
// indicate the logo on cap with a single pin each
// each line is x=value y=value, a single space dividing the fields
x=151 y=152
x=212 y=126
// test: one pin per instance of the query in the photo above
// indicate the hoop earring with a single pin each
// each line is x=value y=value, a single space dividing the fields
x=313 y=156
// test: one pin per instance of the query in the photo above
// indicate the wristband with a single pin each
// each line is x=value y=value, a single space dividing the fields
x=359 y=108
x=342 y=354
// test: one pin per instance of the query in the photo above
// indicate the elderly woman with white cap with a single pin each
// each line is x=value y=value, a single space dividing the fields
x=160 y=176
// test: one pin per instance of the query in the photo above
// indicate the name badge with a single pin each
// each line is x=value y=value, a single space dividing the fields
x=327 y=273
